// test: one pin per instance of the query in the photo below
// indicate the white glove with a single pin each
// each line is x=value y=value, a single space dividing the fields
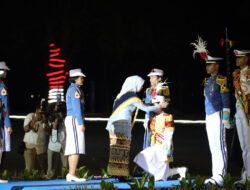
x=225 y=118
x=227 y=124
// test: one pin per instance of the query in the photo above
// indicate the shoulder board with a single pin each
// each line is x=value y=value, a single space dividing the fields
x=169 y=117
x=164 y=91
x=222 y=81
x=147 y=90
x=3 y=92
x=236 y=72
x=248 y=71
x=76 y=89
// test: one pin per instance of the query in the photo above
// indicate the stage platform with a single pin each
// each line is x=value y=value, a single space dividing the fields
x=63 y=184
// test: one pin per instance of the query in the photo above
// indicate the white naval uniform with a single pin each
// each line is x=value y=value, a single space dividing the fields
x=242 y=124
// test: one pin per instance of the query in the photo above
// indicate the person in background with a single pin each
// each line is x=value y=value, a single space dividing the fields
x=57 y=139
x=120 y=125
x=5 y=124
x=36 y=128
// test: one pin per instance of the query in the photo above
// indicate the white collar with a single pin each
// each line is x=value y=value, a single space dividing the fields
x=244 y=69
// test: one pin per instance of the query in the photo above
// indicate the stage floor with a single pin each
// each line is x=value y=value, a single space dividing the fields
x=63 y=184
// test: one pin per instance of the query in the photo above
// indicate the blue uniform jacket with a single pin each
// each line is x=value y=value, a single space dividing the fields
x=148 y=102
x=75 y=102
x=216 y=94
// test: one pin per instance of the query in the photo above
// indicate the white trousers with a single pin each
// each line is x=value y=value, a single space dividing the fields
x=152 y=161
x=75 y=141
x=217 y=143
x=244 y=137
x=6 y=139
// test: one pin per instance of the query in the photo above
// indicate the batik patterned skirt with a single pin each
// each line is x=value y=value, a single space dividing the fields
x=120 y=140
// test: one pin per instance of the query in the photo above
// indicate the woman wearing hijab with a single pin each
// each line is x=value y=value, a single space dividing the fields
x=120 y=124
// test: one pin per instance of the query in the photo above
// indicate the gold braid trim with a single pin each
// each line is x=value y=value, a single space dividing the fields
x=222 y=81
x=126 y=103
x=118 y=172
x=133 y=123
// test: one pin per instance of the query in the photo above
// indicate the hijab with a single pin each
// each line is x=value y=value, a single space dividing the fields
x=132 y=83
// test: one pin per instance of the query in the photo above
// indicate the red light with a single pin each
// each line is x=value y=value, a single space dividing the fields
x=54 y=55
x=57 y=78
x=55 y=50
x=58 y=60
x=52 y=45
x=57 y=82
x=56 y=66
x=54 y=73
x=67 y=73
x=59 y=86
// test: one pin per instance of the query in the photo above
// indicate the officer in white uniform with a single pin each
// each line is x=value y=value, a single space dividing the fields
x=74 y=123
x=5 y=124
x=241 y=79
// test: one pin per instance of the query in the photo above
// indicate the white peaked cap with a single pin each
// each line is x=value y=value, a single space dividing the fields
x=156 y=72
x=241 y=53
x=158 y=99
x=211 y=59
x=3 y=65
x=76 y=73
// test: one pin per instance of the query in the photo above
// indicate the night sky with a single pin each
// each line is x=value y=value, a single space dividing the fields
x=111 y=40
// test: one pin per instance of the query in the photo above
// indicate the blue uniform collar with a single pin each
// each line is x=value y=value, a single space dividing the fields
x=214 y=77
x=74 y=84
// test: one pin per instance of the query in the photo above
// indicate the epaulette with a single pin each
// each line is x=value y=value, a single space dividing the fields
x=168 y=117
x=235 y=73
x=222 y=81
x=147 y=90
x=77 y=89
x=164 y=91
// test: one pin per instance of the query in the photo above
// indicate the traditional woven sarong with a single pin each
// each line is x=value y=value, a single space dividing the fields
x=119 y=149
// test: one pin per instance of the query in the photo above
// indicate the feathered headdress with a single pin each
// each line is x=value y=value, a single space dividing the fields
x=200 y=47
x=161 y=85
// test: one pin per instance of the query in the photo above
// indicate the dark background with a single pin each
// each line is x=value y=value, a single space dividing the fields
x=111 y=40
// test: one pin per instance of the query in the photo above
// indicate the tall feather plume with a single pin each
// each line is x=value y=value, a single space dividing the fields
x=200 y=47
x=162 y=85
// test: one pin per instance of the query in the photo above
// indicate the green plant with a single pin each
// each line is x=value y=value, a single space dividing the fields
x=105 y=185
x=228 y=182
x=199 y=183
x=137 y=172
x=5 y=175
x=140 y=183
x=187 y=183
x=65 y=171
x=151 y=183
x=32 y=175
x=82 y=173
x=104 y=173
